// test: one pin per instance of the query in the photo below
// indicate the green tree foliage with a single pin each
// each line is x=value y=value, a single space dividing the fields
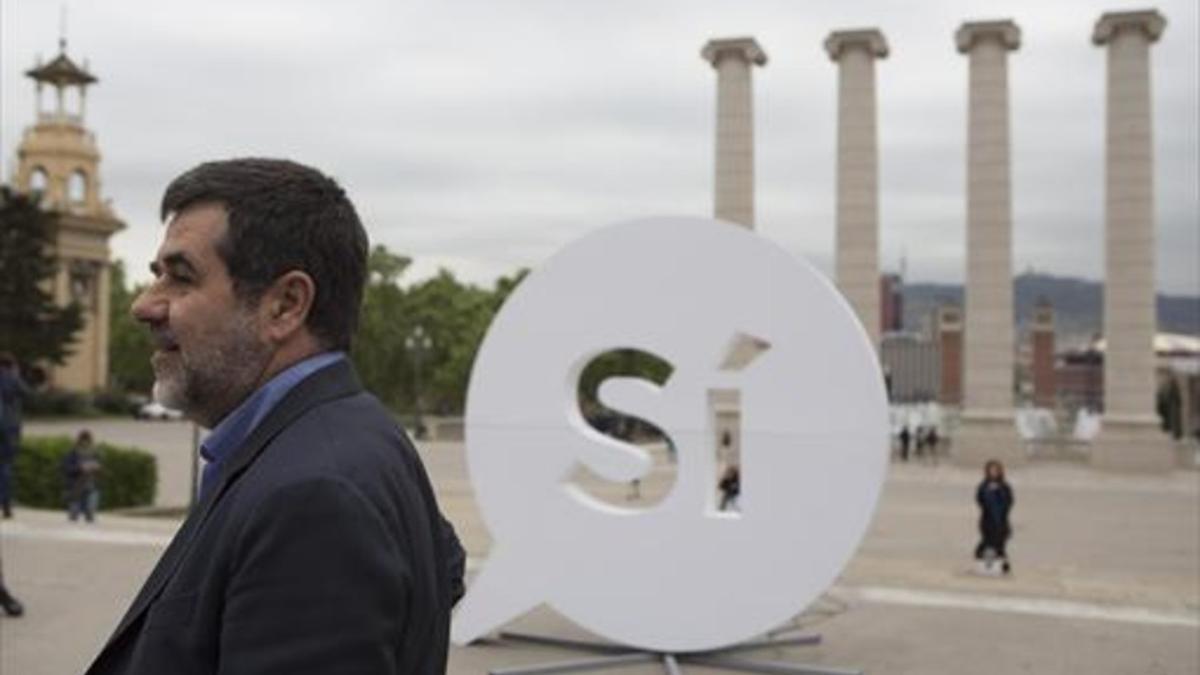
x=129 y=345
x=31 y=326
x=379 y=344
x=454 y=315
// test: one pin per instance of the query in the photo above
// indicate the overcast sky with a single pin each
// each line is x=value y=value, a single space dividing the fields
x=483 y=136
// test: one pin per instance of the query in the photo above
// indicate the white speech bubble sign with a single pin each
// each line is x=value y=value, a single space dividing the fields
x=679 y=576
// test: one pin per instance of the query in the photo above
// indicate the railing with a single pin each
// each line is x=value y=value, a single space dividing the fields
x=1060 y=448
x=60 y=118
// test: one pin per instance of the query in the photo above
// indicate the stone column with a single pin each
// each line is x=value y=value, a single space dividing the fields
x=734 y=188
x=100 y=373
x=1130 y=437
x=856 y=265
x=988 y=430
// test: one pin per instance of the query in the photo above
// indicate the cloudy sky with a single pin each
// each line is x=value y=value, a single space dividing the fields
x=482 y=136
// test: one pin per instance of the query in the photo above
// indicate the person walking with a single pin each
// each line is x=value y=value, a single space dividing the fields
x=931 y=442
x=13 y=391
x=80 y=468
x=731 y=487
x=8 y=603
x=905 y=437
x=995 y=499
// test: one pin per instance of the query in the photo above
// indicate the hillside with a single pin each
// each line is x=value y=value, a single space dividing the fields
x=1078 y=305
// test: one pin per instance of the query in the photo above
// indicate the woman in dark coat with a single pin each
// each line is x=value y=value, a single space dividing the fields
x=995 y=499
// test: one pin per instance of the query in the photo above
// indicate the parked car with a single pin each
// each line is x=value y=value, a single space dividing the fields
x=157 y=411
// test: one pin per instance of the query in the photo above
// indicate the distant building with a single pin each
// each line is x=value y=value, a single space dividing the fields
x=948 y=329
x=891 y=303
x=58 y=158
x=1079 y=374
x=1036 y=373
x=913 y=365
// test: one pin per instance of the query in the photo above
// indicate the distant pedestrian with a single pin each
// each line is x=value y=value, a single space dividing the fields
x=80 y=468
x=905 y=437
x=8 y=603
x=995 y=500
x=931 y=442
x=13 y=391
x=919 y=440
x=730 y=486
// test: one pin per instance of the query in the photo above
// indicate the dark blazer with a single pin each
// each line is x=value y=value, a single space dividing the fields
x=319 y=549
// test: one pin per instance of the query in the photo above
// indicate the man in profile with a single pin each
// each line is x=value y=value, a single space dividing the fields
x=316 y=545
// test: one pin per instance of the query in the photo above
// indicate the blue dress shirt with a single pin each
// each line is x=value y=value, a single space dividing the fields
x=236 y=427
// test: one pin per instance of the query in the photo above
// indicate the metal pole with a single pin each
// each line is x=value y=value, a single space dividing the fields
x=417 y=352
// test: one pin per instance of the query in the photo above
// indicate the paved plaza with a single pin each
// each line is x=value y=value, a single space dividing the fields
x=1107 y=573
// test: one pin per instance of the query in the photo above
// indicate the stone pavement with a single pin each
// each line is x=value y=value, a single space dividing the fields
x=1107 y=576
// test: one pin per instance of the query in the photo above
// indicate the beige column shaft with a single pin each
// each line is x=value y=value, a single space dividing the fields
x=1129 y=311
x=100 y=373
x=988 y=430
x=856 y=264
x=734 y=167
x=1129 y=437
x=988 y=350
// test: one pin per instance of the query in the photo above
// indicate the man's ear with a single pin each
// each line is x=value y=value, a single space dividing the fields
x=286 y=304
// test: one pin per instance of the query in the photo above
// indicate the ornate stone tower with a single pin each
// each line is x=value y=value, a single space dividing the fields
x=59 y=158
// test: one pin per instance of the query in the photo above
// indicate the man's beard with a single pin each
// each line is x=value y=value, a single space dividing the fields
x=209 y=380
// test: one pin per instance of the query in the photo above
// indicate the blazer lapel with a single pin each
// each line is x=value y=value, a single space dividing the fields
x=335 y=381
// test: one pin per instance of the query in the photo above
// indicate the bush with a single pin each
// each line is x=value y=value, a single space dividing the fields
x=129 y=476
x=114 y=402
x=58 y=403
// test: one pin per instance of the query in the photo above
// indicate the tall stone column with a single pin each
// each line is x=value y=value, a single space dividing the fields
x=1130 y=437
x=734 y=189
x=856 y=267
x=987 y=430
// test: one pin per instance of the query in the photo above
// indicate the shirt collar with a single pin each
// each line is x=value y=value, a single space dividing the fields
x=235 y=427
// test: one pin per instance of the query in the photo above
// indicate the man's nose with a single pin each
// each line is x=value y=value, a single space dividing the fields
x=148 y=306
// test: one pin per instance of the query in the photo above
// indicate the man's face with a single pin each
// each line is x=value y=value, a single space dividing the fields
x=209 y=354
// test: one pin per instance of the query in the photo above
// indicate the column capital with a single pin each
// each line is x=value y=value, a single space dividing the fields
x=1148 y=21
x=745 y=48
x=972 y=33
x=870 y=39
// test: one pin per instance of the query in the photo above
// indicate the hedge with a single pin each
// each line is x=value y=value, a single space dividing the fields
x=128 y=477
x=62 y=403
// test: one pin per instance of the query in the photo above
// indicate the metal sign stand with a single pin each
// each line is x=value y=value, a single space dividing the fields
x=613 y=656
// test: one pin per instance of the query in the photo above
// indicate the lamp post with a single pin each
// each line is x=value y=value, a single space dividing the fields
x=418 y=343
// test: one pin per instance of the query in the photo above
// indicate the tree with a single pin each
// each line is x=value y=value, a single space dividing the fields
x=129 y=345
x=378 y=346
x=31 y=326
x=455 y=316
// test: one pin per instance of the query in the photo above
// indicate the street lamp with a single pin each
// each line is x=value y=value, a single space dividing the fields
x=418 y=344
